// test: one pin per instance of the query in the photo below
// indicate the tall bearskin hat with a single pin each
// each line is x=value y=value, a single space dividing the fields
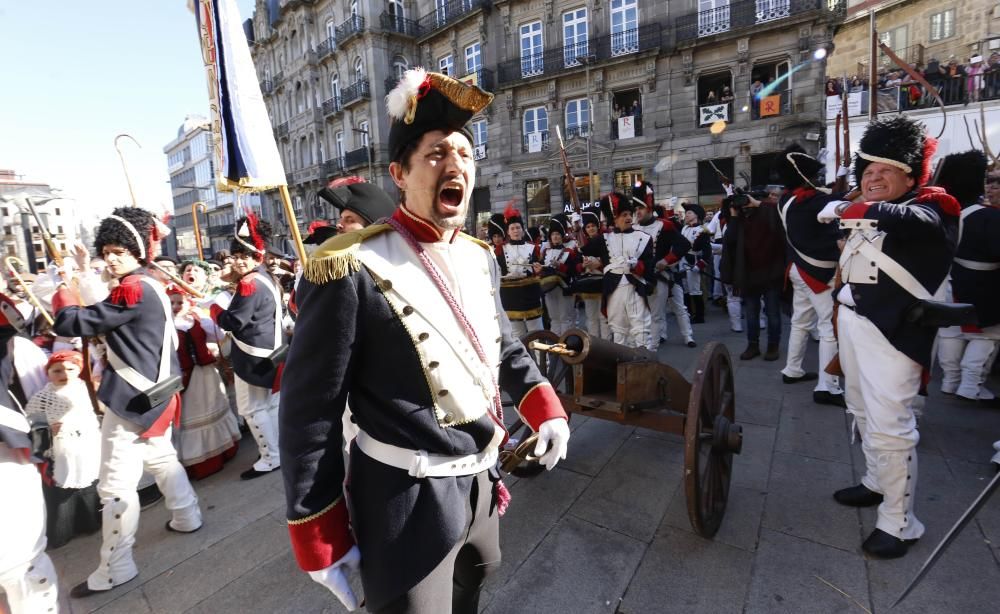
x=424 y=101
x=368 y=200
x=133 y=228
x=251 y=236
x=642 y=194
x=497 y=226
x=614 y=203
x=795 y=168
x=560 y=223
x=897 y=141
x=512 y=216
x=962 y=175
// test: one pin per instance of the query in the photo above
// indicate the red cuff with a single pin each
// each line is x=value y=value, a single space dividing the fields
x=214 y=312
x=322 y=539
x=671 y=258
x=855 y=211
x=540 y=404
x=639 y=268
x=64 y=297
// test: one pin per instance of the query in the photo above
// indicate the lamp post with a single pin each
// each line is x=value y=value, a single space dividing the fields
x=368 y=150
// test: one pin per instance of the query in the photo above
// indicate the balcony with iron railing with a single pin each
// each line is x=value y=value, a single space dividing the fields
x=448 y=13
x=390 y=82
x=356 y=92
x=352 y=26
x=482 y=77
x=572 y=58
x=282 y=130
x=267 y=86
x=535 y=141
x=576 y=132
x=741 y=15
x=399 y=25
x=332 y=106
x=326 y=48
x=356 y=157
x=333 y=166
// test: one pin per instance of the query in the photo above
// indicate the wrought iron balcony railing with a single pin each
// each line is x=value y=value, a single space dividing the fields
x=399 y=25
x=482 y=77
x=331 y=106
x=572 y=57
x=357 y=157
x=742 y=14
x=576 y=132
x=448 y=13
x=282 y=130
x=333 y=166
x=535 y=141
x=266 y=86
x=326 y=48
x=355 y=24
x=357 y=91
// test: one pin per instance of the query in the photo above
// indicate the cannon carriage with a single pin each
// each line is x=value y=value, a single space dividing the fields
x=597 y=378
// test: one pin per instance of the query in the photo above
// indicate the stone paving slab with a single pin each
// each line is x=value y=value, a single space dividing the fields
x=593 y=444
x=740 y=524
x=806 y=430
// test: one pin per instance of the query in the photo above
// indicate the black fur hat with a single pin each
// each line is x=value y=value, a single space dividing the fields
x=251 y=236
x=962 y=175
x=897 y=141
x=614 y=203
x=130 y=227
x=795 y=168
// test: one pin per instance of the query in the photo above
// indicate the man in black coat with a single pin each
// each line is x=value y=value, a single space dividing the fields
x=404 y=320
x=898 y=254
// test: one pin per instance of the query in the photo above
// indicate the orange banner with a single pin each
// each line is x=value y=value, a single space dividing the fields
x=770 y=105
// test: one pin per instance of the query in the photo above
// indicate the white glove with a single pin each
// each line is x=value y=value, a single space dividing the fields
x=335 y=578
x=832 y=211
x=728 y=187
x=843 y=171
x=223 y=299
x=554 y=431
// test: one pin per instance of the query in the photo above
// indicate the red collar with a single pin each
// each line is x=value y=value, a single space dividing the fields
x=803 y=193
x=422 y=230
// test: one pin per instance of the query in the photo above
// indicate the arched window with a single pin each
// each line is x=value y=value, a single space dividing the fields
x=397 y=11
x=399 y=66
x=335 y=87
x=359 y=70
x=354 y=8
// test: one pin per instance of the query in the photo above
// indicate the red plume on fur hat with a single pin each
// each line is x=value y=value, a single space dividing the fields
x=511 y=215
x=252 y=224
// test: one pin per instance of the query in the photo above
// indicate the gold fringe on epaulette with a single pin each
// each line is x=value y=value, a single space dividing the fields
x=333 y=267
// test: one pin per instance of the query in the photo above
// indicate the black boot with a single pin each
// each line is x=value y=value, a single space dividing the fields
x=698 y=303
x=881 y=545
x=752 y=351
x=857 y=496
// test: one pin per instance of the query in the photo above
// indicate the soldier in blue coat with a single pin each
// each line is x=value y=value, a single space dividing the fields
x=253 y=316
x=138 y=328
x=901 y=243
x=405 y=319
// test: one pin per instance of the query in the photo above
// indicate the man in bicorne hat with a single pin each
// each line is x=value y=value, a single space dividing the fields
x=556 y=269
x=520 y=285
x=360 y=203
x=138 y=326
x=965 y=353
x=254 y=316
x=812 y=252
x=404 y=319
x=588 y=283
x=898 y=254
x=628 y=270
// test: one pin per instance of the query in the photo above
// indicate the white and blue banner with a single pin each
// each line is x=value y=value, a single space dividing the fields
x=246 y=156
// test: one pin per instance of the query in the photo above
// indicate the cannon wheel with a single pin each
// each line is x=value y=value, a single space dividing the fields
x=559 y=375
x=710 y=439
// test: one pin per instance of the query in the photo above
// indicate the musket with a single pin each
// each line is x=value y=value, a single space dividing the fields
x=50 y=245
x=950 y=537
x=838 y=183
x=197 y=231
x=9 y=260
x=574 y=196
x=722 y=176
x=125 y=168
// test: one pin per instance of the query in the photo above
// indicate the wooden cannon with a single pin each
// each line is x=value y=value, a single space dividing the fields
x=597 y=378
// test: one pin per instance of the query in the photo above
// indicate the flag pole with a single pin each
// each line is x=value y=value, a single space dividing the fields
x=293 y=225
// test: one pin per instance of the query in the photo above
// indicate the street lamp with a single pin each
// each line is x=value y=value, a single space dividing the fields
x=587 y=60
x=368 y=150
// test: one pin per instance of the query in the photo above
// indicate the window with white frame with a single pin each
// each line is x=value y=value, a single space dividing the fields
x=943 y=25
x=397 y=11
x=574 y=36
x=354 y=8
x=446 y=65
x=331 y=29
x=441 y=11
x=531 y=49
x=536 y=129
x=399 y=66
x=479 y=139
x=359 y=70
x=577 y=118
x=338 y=141
x=713 y=17
x=363 y=131
x=335 y=88
x=624 y=26
x=473 y=59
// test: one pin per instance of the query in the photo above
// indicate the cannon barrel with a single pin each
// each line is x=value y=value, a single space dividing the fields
x=600 y=353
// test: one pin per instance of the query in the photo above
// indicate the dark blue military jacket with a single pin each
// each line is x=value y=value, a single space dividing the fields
x=980 y=243
x=250 y=318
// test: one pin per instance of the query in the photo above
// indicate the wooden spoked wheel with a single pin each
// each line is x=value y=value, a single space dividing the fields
x=711 y=437
x=519 y=459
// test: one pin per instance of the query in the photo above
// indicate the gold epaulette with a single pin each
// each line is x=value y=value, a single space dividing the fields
x=480 y=243
x=337 y=256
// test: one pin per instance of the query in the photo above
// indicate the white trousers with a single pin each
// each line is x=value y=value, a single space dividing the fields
x=259 y=407
x=629 y=318
x=26 y=572
x=717 y=289
x=597 y=322
x=965 y=361
x=692 y=279
x=520 y=328
x=671 y=298
x=560 y=308
x=809 y=309
x=881 y=384
x=124 y=455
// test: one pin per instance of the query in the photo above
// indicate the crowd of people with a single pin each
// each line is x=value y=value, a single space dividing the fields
x=383 y=358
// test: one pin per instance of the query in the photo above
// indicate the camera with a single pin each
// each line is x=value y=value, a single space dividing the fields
x=742 y=197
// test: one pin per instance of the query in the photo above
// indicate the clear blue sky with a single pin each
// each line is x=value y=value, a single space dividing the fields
x=75 y=74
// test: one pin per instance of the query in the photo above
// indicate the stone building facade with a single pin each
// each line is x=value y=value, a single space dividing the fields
x=21 y=236
x=917 y=30
x=634 y=86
